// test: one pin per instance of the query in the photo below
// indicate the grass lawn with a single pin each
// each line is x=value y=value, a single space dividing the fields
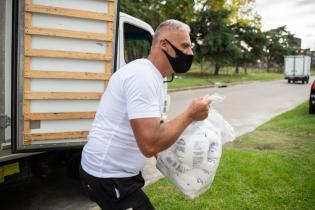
x=196 y=78
x=270 y=168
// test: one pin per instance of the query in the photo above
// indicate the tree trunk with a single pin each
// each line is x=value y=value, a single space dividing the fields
x=245 y=68
x=201 y=65
x=217 y=69
x=237 y=70
x=268 y=65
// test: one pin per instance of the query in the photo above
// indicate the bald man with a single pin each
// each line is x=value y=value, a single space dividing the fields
x=127 y=127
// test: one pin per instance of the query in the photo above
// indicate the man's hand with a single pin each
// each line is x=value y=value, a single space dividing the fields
x=198 y=109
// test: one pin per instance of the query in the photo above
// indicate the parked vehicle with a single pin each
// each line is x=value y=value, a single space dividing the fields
x=56 y=59
x=297 y=68
x=312 y=99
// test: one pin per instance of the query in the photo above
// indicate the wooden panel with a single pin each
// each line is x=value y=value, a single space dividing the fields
x=109 y=50
x=28 y=2
x=108 y=73
x=29 y=74
x=67 y=54
x=111 y=8
x=69 y=34
x=110 y=29
x=60 y=116
x=68 y=12
x=26 y=87
x=55 y=136
x=26 y=69
x=65 y=75
x=62 y=95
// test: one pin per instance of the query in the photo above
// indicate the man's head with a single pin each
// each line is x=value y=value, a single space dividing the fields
x=172 y=45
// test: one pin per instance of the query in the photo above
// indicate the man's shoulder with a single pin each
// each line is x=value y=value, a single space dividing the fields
x=139 y=63
x=138 y=68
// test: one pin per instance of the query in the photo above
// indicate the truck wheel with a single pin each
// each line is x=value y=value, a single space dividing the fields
x=289 y=81
x=303 y=81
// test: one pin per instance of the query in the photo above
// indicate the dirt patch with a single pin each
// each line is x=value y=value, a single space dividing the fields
x=265 y=147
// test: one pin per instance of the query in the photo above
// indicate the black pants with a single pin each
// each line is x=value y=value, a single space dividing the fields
x=116 y=193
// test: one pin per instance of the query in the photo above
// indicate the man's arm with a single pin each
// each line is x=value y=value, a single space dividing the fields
x=153 y=137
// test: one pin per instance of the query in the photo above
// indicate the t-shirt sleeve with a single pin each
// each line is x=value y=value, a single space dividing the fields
x=141 y=98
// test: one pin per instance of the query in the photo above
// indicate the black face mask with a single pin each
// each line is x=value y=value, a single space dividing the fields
x=182 y=62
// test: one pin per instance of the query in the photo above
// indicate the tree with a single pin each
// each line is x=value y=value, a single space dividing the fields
x=277 y=46
x=213 y=39
x=156 y=11
x=146 y=10
x=182 y=10
x=251 y=41
x=243 y=13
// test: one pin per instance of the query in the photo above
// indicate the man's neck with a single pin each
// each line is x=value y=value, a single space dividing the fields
x=156 y=61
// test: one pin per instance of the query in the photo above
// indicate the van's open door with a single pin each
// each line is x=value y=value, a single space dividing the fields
x=62 y=60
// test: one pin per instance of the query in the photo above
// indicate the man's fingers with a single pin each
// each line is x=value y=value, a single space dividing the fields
x=204 y=114
x=207 y=103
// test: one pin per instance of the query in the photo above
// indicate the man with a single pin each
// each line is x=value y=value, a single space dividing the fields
x=127 y=124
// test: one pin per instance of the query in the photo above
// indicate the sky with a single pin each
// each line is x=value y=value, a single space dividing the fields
x=297 y=15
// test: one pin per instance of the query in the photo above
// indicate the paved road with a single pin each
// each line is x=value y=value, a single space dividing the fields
x=246 y=107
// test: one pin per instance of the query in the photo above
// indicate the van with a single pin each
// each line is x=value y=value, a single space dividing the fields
x=297 y=68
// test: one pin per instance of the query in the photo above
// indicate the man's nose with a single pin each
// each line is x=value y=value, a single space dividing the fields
x=189 y=51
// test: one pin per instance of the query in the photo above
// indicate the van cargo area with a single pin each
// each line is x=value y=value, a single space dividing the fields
x=56 y=59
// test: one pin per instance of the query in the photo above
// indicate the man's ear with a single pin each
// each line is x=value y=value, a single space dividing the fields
x=163 y=44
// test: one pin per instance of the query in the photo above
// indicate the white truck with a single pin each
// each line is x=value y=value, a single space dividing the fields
x=297 y=68
x=56 y=58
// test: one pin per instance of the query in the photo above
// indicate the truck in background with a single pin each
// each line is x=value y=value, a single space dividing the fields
x=297 y=68
x=56 y=59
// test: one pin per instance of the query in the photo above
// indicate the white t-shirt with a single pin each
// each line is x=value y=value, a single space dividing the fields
x=134 y=91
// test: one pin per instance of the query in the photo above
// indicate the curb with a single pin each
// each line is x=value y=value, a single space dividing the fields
x=191 y=88
x=224 y=85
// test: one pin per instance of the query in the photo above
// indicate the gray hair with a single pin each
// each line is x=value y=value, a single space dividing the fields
x=172 y=25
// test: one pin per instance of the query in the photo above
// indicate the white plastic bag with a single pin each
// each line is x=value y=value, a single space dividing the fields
x=191 y=162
